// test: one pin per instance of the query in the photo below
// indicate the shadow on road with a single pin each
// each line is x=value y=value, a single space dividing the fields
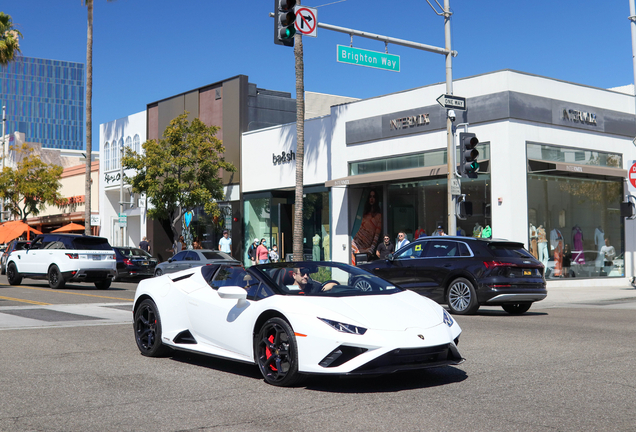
x=399 y=381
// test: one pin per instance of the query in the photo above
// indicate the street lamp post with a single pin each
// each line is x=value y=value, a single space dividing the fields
x=121 y=191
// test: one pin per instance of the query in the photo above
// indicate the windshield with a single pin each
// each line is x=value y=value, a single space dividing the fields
x=134 y=253
x=514 y=250
x=324 y=279
x=91 y=243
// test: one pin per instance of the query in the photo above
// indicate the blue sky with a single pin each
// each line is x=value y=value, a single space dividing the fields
x=147 y=50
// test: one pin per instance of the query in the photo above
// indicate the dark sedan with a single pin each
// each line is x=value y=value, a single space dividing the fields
x=466 y=273
x=13 y=245
x=134 y=263
x=193 y=258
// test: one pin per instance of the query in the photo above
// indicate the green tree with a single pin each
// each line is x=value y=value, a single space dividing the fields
x=9 y=39
x=180 y=172
x=30 y=186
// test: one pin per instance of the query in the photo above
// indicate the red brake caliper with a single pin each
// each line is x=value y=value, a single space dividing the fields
x=268 y=353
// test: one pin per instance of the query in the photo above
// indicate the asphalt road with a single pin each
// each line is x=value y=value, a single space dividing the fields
x=75 y=367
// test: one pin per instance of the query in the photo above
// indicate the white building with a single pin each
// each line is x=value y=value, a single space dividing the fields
x=113 y=136
x=553 y=155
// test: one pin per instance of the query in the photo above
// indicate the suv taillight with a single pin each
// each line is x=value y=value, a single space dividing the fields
x=72 y=255
x=493 y=264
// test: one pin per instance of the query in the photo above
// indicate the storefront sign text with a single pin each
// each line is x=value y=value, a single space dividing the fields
x=111 y=178
x=70 y=201
x=283 y=158
x=579 y=116
x=409 y=121
x=574 y=168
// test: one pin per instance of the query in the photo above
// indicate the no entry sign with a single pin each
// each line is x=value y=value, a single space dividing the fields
x=631 y=175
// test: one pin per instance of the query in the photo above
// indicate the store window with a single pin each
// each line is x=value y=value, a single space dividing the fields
x=272 y=217
x=418 y=208
x=575 y=225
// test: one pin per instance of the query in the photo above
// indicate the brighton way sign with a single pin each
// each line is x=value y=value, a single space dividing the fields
x=374 y=59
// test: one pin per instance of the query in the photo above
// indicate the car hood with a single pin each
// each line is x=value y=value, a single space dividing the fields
x=394 y=312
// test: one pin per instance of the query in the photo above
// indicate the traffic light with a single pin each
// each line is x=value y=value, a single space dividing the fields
x=284 y=22
x=468 y=165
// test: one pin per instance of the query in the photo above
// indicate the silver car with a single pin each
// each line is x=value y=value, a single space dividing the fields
x=193 y=258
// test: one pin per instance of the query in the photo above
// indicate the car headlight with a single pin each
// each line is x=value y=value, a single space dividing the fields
x=343 y=327
x=447 y=319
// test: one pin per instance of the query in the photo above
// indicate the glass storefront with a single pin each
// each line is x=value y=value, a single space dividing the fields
x=575 y=225
x=417 y=208
x=271 y=216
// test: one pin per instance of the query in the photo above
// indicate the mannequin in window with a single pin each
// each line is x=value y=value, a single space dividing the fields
x=325 y=246
x=366 y=239
x=315 y=251
x=477 y=230
x=533 y=240
x=577 y=241
x=542 y=245
x=487 y=232
x=599 y=241
x=556 y=245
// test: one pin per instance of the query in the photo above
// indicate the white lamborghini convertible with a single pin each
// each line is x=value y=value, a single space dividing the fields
x=294 y=319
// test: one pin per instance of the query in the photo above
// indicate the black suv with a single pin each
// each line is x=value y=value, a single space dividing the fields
x=466 y=272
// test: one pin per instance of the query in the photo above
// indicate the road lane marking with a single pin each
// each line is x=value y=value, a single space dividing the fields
x=74 y=293
x=25 y=301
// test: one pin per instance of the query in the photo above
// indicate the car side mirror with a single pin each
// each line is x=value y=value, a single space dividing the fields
x=234 y=292
x=27 y=246
x=169 y=260
x=390 y=257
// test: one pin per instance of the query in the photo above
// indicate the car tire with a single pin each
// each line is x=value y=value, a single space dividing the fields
x=56 y=280
x=103 y=284
x=461 y=297
x=13 y=277
x=147 y=326
x=517 y=308
x=276 y=353
x=158 y=272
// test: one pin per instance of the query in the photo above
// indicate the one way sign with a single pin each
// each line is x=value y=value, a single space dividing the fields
x=306 y=20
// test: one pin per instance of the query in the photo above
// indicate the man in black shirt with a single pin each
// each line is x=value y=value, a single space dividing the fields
x=385 y=248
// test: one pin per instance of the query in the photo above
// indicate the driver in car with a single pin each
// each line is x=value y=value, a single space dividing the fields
x=301 y=279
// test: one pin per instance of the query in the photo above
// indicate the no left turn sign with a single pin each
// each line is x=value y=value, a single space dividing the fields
x=306 y=20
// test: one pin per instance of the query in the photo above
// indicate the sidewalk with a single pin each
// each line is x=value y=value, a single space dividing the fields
x=586 y=293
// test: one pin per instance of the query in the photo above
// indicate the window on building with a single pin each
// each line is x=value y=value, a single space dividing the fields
x=136 y=144
x=106 y=156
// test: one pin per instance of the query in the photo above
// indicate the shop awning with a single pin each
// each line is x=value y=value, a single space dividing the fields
x=72 y=227
x=388 y=176
x=549 y=167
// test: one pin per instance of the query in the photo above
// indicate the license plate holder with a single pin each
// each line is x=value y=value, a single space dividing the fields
x=527 y=272
x=97 y=257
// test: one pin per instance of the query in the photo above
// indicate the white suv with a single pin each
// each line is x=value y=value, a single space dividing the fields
x=61 y=258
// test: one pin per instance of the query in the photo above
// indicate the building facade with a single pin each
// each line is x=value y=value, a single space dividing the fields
x=116 y=196
x=44 y=100
x=554 y=158
x=236 y=106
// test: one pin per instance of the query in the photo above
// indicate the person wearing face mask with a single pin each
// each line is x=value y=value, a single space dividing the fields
x=262 y=253
x=251 y=251
x=273 y=254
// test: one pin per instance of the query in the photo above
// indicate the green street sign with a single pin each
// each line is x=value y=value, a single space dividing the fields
x=374 y=59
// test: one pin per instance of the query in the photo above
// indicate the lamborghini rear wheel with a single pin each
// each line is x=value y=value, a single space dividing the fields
x=277 y=353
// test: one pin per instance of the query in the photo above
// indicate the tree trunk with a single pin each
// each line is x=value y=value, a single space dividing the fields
x=89 y=117
x=300 y=146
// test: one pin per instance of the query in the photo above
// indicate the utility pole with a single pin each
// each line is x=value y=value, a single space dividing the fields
x=121 y=192
x=4 y=121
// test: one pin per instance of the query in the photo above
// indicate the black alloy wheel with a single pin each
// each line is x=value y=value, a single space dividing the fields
x=277 y=353
x=147 y=326
x=158 y=272
x=56 y=280
x=13 y=277
x=517 y=308
x=461 y=297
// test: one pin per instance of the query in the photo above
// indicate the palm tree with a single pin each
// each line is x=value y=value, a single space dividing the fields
x=89 y=117
x=300 y=146
x=9 y=43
